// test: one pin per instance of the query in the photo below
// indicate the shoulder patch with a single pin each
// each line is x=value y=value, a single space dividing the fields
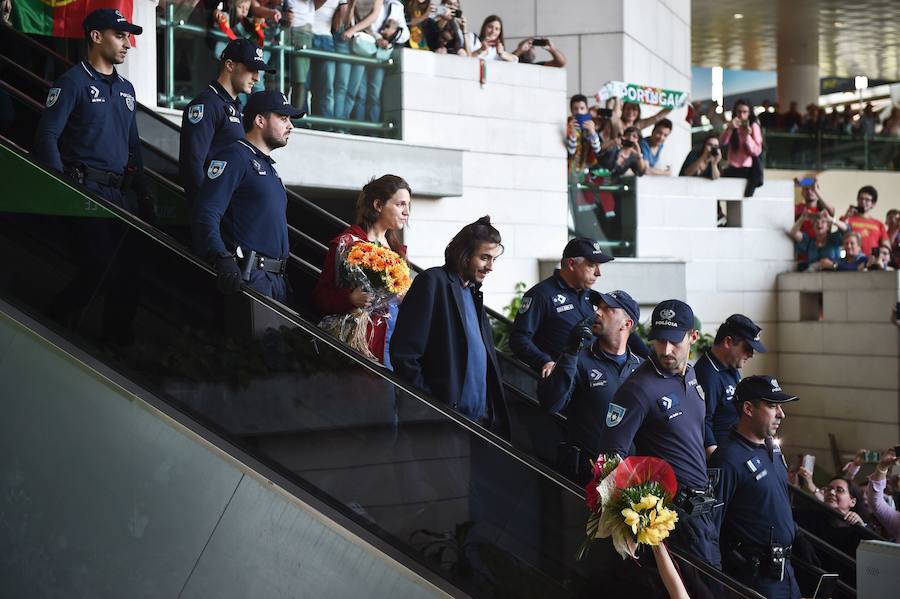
x=195 y=113
x=53 y=96
x=216 y=168
x=526 y=303
x=614 y=415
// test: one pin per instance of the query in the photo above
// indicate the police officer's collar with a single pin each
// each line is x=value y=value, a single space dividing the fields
x=664 y=374
x=716 y=364
x=95 y=74
x=602 y=355
x=561 y=283
x=255 y=150
x=222 y=92
x=735 y=435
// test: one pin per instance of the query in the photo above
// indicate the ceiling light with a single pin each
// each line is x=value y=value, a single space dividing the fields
x=738 y=15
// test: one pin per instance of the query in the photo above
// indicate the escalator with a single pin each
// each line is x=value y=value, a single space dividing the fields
x=418 y=484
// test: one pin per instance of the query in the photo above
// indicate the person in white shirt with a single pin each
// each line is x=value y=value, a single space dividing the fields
x=323 y=71
x=299 y=17
x=489 y=44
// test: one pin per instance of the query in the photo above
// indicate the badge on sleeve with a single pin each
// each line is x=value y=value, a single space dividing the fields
x=195 y=114
x=53 y=96
x=129 y=102
x=216 y=168
x=526 y=303
x=614 y=415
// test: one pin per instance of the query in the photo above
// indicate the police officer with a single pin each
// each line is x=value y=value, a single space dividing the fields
x=88 y=128
x=239 y=221
x=718 y=372
x=213 y=120
x=551 y=308
x=758 y=528
x=585 y=380
x=660 y=411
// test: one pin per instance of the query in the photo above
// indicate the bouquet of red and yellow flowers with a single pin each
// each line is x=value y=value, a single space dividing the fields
x=383 y=273
x=628 y=501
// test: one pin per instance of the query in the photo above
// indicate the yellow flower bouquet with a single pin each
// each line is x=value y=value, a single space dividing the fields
x=628 y=501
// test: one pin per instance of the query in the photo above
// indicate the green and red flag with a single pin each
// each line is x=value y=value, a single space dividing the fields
x=61 y=18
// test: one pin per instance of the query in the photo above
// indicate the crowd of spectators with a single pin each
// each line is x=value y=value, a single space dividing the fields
x=853 y=242
x=368 y=28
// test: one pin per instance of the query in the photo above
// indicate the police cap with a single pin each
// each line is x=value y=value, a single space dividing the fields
x=587 y=248
x=246 y=52
x=618 y=299
x=762 y=387
x=671 y=320
x=109 y=18
x=740 y=327
x=270 y=101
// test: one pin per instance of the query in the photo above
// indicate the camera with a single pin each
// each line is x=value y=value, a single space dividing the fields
x=714 y=152
x=540 y=41
x=605 y=112
x=627 y=143
x=456 y=13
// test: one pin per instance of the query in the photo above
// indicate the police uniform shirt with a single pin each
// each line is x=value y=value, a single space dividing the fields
x=753 y=485
x=244 y=195
x=548 y=312
x=89 y=119
x=663 y=415
x=582 y=387
x=718 y=382
x=209 y=124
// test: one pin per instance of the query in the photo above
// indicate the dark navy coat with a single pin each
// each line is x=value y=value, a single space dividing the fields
x=547 y=314
x=89 y=119
x=428 y=347
x=210 y=123
x=242 y=202
x=718 y=382
x=581 y=387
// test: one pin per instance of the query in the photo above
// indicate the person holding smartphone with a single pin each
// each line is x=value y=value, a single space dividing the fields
x=888 y=518
x=872 y=231
x=743 y=139
x=526 y=53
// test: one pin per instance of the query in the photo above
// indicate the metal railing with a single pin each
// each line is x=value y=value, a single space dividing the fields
x=605 y=210
x=281 y=51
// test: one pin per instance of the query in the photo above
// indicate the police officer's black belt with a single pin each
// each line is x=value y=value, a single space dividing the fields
x=102 y=177
x=270 y=264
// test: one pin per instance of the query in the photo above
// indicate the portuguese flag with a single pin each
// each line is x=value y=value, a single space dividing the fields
x=61 y=18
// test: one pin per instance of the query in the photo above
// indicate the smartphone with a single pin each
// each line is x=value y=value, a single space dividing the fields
x=745 y=123
x=873 y=456
x=876 y=251
x=826 y=586
x=581 y=119
x=807 y=182
x=809 y=462
x=605 y=112
x=627 y=143
x=540 y=41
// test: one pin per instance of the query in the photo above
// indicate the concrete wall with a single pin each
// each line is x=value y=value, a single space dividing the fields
x=727 y=269
x=513 y=163
x=839 y=350
x=639 y=41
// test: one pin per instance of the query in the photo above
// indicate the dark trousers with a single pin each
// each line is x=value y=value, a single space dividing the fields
x=107 y=263
x=744 y=172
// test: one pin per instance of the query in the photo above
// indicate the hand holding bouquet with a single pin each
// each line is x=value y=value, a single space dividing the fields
x=628 y=501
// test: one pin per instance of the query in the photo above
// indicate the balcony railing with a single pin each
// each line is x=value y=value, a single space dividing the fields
x=605 y=210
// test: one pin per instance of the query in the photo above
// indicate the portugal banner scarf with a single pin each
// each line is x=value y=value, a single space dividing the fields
x=61 y=18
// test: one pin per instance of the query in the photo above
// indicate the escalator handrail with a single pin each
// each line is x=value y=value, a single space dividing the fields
x=845 y=588
x=833 y=514
x=310 y=329
x=819 y=543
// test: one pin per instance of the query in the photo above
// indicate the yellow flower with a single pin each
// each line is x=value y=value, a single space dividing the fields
x=647 y=502
x=632 y=519
x=650 y=536
x=665 y=518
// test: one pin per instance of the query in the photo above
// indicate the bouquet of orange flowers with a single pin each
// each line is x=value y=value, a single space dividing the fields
x=628 y=501
x=383 y=273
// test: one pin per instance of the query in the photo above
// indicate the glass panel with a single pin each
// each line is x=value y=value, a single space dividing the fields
x=605 y=210
x=436 y=486
x=345 y=87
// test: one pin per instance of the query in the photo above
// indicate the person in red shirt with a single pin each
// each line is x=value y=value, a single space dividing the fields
x=871 y=230
x=382 y=211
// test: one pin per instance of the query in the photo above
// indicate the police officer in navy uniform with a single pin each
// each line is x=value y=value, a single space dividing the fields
x=585 y=379
x=239 y=221
x=214 y=119
x=551 y=308
x=758 y=528
x=718 y=372
x=88 y=128
x=660 y=411
x=88 y=132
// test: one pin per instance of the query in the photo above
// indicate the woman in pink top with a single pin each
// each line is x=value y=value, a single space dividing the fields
x=888 y=517
x=744 y=141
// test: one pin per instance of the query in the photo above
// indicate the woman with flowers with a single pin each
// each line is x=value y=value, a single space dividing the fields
x=365 y=274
